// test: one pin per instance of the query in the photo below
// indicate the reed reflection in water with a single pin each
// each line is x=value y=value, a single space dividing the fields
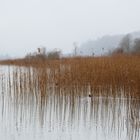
x=54 y=112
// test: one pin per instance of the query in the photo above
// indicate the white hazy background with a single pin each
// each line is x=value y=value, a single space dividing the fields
x=27 y=24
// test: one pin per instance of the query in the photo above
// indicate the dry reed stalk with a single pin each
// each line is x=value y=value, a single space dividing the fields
x=102 y=74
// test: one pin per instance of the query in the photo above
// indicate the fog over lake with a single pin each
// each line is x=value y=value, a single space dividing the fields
x=25 y=25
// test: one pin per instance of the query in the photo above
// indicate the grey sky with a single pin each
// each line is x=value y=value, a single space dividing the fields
x=26 y=24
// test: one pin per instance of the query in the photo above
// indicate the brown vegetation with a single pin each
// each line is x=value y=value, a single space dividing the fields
x=99 y=74
x=61 y=83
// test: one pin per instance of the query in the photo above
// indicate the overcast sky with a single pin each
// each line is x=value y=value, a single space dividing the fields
x=27 y=24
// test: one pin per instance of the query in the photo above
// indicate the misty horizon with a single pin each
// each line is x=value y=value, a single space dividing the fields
x=26 y=25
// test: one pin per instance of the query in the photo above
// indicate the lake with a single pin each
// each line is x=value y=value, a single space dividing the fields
x=27 y=112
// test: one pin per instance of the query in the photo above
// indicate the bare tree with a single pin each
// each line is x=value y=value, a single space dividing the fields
x=75 y=48
x=136 y=48
x=124 y=46
x=125 y=43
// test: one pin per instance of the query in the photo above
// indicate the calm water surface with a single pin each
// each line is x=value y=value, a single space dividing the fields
x=62 y=115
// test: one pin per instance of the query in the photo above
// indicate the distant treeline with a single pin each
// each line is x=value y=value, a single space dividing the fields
x=128 y=45
x=55 y=54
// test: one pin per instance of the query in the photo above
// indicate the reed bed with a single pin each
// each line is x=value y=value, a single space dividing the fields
x=97 y=75
x=26 y=91
x=61 y=84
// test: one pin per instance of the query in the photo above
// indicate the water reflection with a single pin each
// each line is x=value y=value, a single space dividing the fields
x=54 y=112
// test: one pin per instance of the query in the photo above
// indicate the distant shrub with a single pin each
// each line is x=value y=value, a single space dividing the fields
x=53 y=54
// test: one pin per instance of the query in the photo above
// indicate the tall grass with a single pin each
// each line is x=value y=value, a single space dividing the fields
x=99 y=74
x=62 y=83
